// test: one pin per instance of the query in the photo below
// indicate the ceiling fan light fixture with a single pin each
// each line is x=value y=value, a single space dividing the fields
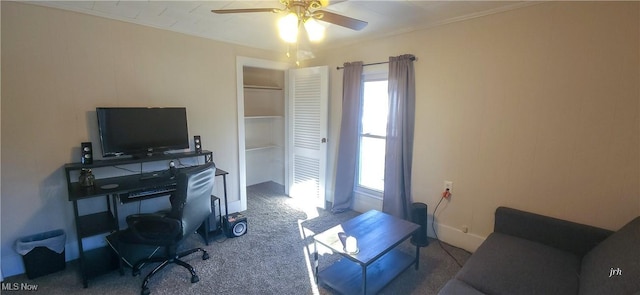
x=288 y=28
x=315 y=31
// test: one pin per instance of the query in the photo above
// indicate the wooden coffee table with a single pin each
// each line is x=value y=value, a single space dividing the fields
x=377 y=261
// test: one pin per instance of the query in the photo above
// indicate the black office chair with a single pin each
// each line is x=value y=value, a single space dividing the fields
x=190 y=206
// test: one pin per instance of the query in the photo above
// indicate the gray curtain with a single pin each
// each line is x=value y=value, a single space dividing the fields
x=399 y=147
x=348 y=144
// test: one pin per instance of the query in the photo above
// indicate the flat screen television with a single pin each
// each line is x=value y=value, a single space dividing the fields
x=142 y=132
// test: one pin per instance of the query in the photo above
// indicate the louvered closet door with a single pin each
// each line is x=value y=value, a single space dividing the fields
x=308 y=95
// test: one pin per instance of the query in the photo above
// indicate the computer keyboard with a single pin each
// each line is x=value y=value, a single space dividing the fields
x=149 y=191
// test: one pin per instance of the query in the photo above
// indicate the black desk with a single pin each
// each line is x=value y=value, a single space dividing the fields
x=125 y=184
x=101 y=260
x=205 y=230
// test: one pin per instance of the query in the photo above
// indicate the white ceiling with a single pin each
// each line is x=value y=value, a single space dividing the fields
x=259 y=29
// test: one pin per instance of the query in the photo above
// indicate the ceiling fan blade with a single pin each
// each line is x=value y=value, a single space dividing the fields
x=340 y=20
x=326 y=3
x=223 y=11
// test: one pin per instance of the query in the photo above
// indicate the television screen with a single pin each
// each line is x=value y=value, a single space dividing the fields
x=142 y=131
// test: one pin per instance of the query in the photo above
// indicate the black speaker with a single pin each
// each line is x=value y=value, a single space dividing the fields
x=214 y=219
x=419 y=216
x=197 y=144
x=87 y=153
x=235 y=225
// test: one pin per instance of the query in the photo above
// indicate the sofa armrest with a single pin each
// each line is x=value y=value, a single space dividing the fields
x=561 y=234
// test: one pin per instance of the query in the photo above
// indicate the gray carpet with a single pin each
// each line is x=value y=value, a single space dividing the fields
x=274 y=257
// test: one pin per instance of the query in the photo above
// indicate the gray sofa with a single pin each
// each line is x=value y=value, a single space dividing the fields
x=533 y=254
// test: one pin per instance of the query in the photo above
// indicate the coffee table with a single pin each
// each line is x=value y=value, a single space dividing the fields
x=377 y=260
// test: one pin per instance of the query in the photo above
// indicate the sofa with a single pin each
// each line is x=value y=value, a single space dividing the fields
x=534 y=254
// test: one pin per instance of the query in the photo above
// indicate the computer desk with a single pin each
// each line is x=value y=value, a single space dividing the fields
x=116 y=191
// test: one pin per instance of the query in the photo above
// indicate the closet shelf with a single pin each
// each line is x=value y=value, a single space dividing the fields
x=264 y=117
x=262 y=147
x=263 y=87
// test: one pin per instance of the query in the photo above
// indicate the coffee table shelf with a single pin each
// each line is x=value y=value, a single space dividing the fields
x=377 y=262
x=345 y=276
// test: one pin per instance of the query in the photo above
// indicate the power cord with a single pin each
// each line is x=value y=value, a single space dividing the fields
x=445 y=195
x=180 y=164
x=125 y=169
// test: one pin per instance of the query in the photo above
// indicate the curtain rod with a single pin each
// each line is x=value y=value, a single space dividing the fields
x=376 y=63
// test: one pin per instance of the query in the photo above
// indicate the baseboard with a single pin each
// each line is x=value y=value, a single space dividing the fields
x=447 y=234
x=12 y=265
x=234 y=206
x=455 y=237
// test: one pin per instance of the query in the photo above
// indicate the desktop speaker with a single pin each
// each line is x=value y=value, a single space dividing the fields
x=235 y=225
x=197 y=144
x=87 y=153
x=419 y=216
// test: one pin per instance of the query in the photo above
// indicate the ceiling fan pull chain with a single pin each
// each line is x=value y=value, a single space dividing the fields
x=297 y=55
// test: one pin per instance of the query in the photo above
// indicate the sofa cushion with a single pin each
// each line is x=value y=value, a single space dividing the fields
x=457 y=287
x=557 y=233
x=613 y=267
x=504 y=264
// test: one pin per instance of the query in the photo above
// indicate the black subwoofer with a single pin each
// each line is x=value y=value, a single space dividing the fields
x=235 y=225
x=419 y=216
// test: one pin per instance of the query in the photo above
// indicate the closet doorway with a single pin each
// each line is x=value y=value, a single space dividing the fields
x=282 y=130
x=262 y=136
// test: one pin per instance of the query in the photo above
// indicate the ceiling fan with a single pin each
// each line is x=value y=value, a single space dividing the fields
x=303 y=12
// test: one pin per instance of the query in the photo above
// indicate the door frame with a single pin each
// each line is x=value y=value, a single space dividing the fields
x=241 y=62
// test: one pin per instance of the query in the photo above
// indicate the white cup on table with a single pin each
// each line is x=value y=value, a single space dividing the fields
x=351 y=245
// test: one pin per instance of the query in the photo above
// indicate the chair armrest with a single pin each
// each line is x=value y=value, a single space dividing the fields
x=561 y=234
x=154 y=228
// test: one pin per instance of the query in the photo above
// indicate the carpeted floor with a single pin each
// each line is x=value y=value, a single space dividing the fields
x=274 y=257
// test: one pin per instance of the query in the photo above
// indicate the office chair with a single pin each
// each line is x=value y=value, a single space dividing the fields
x=190 y=206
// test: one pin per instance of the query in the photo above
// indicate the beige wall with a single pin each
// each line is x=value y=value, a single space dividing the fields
x=536 y=108
x=59 y=66
x=1 y=275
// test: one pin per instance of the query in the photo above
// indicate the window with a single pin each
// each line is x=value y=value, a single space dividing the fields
x=373 y=132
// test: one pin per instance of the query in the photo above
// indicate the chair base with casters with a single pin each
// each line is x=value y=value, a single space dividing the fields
x=171 y=257
x=190 y=207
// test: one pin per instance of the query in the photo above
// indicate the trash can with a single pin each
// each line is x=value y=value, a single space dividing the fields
x=42 y=253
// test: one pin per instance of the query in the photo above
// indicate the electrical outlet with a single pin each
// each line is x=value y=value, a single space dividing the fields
x=448 y=185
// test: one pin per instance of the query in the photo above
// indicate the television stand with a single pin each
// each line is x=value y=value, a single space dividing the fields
x=141 y=156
